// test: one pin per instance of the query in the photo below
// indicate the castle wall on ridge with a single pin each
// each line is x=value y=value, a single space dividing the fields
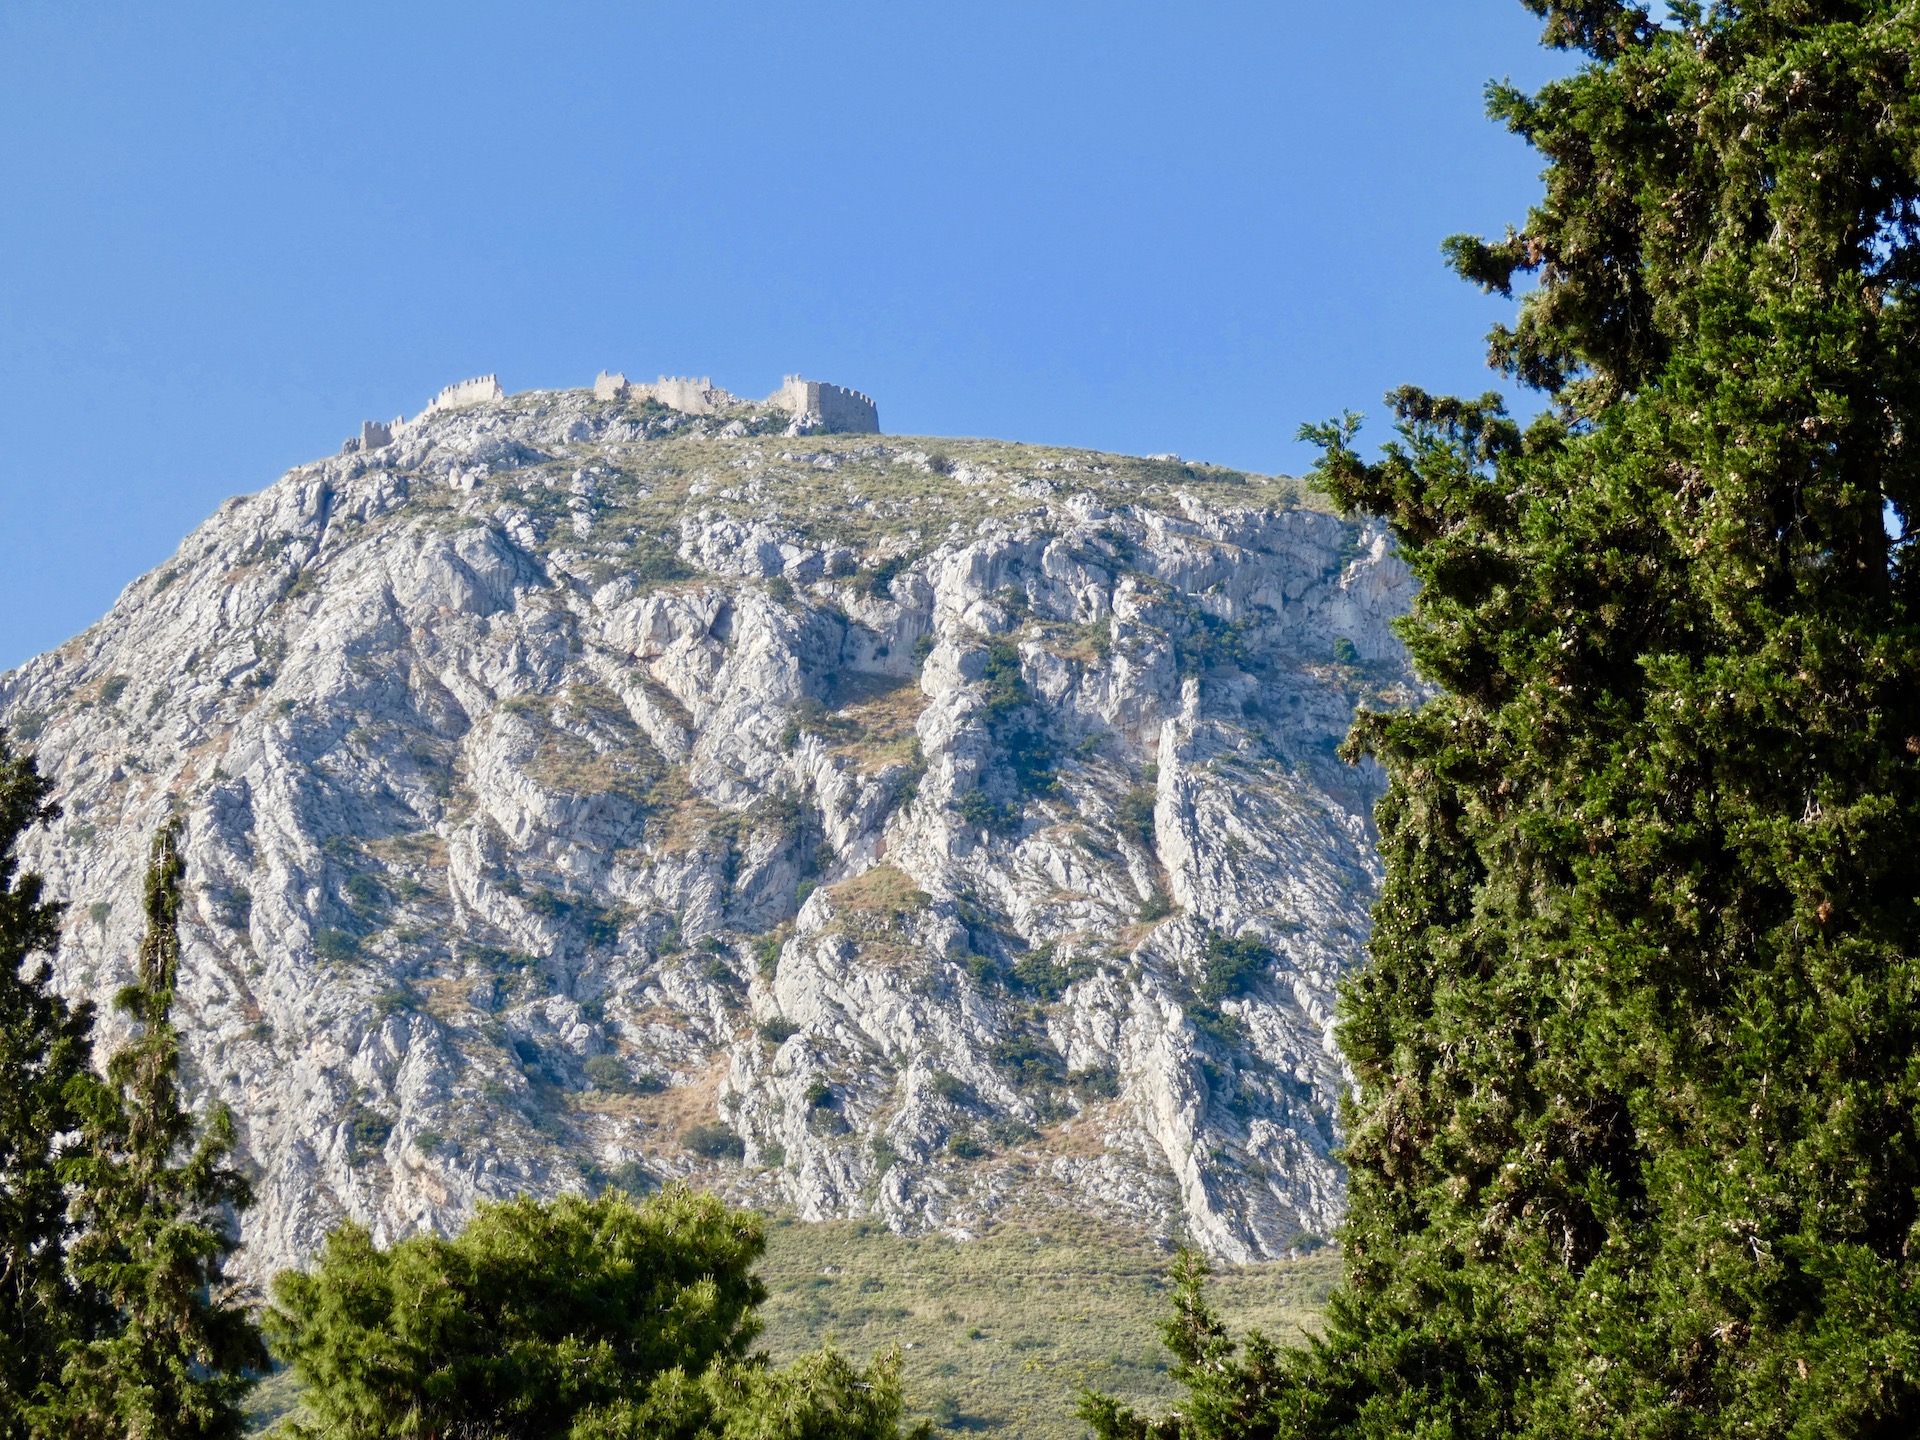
x=688 y=396
x=814 y=404
x=476 y=391
x=833 y=406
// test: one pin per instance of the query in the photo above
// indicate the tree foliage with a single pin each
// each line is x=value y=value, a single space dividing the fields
x=43 y=1050
x=598 y=1318
x=1637 y=1148
x=821 y=1396
x=168 y=1349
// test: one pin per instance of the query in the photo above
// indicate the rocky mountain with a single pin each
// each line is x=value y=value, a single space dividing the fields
x=579 y=792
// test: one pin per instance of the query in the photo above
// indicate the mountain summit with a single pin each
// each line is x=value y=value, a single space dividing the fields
x=580 y=791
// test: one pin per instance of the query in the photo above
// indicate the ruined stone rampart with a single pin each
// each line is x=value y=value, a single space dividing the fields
x=688 y=396
x=813 y=404
x=830 y=407
x=374 y=434
x=476 y=391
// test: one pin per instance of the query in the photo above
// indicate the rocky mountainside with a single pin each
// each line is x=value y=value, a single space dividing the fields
x=577 y=792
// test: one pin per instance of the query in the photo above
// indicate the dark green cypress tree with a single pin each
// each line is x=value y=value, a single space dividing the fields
x=43 y=1048
x=1637 y=1150
x=171 y=1351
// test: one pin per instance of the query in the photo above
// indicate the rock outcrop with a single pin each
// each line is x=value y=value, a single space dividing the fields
x=579 y=793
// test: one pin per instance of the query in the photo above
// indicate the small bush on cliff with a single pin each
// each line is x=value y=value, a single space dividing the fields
x=1135 y=819
x=981 y=812
x=1023 y=751
x=713 y=1142
x=1233 y=965
x=1204 y=642
x=1023 y=744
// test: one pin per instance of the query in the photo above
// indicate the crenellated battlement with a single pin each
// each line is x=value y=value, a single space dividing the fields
x=476 y=391
x=830 y=407
x=813 y=404
x=375 y=434
x=687 y=395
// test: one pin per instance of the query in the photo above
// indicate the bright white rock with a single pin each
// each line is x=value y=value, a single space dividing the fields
x=579 y=793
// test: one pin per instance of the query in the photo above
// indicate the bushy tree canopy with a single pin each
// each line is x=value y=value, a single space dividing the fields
x=1637 y=1150
x=821 y=1396
x=597 y=1318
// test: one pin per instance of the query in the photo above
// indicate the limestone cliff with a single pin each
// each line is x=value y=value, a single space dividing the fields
x=580 y=793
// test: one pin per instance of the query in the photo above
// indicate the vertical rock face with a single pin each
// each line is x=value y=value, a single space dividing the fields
x=578 y=793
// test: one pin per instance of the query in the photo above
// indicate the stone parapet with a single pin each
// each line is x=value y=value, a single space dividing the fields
x=831 y=407
x=476 y=391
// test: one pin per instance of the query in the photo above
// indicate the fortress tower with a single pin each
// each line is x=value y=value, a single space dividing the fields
x=831 y=407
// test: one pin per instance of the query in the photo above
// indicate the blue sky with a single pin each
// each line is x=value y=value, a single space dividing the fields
x=231 y=232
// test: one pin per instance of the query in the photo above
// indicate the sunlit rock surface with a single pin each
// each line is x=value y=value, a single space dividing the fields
x=578 y=794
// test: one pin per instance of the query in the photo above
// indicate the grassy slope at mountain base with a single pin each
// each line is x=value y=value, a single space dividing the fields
x=1006 y=1329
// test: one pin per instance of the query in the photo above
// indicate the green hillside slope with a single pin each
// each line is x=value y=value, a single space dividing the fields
x=1004 y=1330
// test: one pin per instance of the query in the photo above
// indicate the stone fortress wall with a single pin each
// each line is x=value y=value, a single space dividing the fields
x=836 y=407
x=676 y=392
x=827 y=407
x=377 y=433
x=690 y=397
x=814 y=405
x=477 y=391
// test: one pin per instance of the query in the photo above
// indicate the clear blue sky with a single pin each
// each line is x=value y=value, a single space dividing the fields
x=228 y=232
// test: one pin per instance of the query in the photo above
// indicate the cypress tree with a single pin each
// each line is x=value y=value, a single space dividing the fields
x=170 y=1350
x=1637 y=1145
x=43 y=1049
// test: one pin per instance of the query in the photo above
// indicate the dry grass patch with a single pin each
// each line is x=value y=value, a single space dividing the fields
x=687 y=820
x=619 y=1104
x=874 y=910
x=1001 y=1333
x=444 y=997
x=1079 y=1137
x=881 y=891
x=571 y=765
x=1087 y=644
x=680 y=1107
x=418 y=847
x=883 y=727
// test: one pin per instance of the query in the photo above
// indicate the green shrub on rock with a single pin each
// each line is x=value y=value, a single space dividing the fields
x=714 y=1142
